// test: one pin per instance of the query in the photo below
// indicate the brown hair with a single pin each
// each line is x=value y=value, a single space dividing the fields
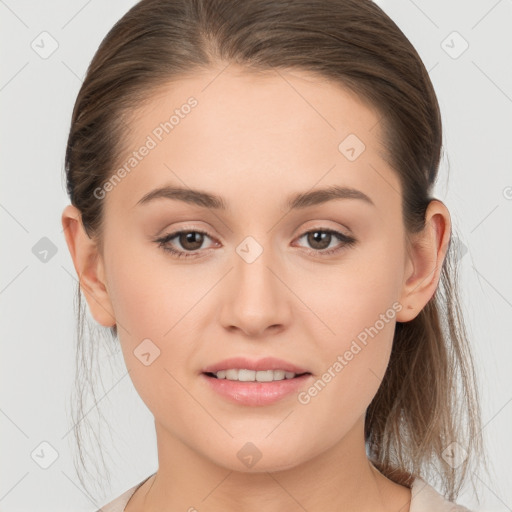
x=428 y=398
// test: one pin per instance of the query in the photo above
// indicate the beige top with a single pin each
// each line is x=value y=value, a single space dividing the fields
x=424 y=498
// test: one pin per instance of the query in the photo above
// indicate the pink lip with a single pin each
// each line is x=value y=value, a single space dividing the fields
x=266 y=363
x=256 y=393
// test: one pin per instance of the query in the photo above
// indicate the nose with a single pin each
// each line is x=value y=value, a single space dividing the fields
x=255 y=298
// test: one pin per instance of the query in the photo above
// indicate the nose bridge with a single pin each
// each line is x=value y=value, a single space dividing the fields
x=258 y=299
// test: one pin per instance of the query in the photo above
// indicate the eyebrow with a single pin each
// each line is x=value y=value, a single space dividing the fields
x=297 y=201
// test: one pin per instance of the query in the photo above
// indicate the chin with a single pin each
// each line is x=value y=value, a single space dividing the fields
x=258 y=457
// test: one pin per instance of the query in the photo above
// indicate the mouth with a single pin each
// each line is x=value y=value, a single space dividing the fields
x=251 y=382
x=267 y=382
x=259 y=370
x=260 y=376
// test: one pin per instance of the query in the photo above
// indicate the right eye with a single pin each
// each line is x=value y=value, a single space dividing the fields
x=192 y=238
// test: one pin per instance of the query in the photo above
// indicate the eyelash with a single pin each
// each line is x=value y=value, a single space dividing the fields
x=348 y=241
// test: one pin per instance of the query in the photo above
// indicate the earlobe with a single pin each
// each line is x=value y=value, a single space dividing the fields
x=426 y=255
x=89 y=266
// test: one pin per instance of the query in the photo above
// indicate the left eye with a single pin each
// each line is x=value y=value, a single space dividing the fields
x=192 y=240
x=322 y=238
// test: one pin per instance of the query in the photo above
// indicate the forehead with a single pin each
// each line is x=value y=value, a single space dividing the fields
x=231 y=129
x=240 y=103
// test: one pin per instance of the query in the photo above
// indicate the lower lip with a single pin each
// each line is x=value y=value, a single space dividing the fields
x=256 y=393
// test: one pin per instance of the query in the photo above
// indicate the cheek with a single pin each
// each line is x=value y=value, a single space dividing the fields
x=357 y=304
x=149 y=293
x=350 y=296
x=156 y=305
x=354 y=363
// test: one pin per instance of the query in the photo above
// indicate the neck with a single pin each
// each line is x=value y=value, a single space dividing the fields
x=341 y=478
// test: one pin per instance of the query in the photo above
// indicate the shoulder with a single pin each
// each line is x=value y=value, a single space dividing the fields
x=119 y=503
x=424 y=498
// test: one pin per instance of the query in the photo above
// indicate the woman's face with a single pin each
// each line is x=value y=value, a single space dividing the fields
x=255 y=285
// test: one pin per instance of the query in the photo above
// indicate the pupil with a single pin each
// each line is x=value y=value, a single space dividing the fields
x=319 y=237
x=190 y=238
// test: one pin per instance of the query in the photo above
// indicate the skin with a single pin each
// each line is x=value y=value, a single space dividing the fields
x=255 y=140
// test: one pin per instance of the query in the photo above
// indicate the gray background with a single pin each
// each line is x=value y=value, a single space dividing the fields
x=37 y=93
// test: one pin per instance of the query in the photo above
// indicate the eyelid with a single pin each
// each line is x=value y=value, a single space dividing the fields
x=326 y=225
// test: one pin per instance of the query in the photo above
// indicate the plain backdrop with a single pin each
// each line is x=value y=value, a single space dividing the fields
x=45 y=49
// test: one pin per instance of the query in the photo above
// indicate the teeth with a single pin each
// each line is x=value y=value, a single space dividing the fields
x=252 y=375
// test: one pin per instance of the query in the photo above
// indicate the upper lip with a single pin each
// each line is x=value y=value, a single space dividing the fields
x=266 y=363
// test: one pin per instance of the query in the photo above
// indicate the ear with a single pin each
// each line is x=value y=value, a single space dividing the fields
x=89 y=266
x=426 y=254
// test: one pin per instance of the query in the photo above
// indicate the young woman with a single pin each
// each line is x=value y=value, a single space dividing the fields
x=252 y=217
